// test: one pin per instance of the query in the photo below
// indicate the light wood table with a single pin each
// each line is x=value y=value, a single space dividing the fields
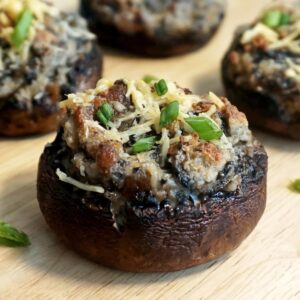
x=266 y=266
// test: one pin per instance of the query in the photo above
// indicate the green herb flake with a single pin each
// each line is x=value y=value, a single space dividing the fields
x=169 y=114
x=143 y=145
x=161 y=87
x=105 y=113
x=295 y=186
x=276 y=18
x=21 y=31
x=11 y=237
x=149 y=78
x=285 y=19
x=205 y=127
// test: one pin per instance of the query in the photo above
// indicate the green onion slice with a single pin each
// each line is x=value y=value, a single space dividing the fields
x=285 y=19
x=149 y=78
x=169 y=114
x=205 y=127
x=276 y=18
x=161 y=87
x=143 y=145
x=21 y=31
x=295 y=186
x=11 y=237
x=105 y=113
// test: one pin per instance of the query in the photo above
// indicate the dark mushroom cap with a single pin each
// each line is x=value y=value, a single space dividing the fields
x=153 y=239
x=183 y=201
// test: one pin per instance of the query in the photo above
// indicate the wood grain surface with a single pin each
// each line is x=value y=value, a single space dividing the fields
x=266 y=266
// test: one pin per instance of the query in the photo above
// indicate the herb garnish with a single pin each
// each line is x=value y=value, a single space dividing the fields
x=105 y=113
x=11 y=237
x=205 y=127
x=161 y=87
x=21 y=31
x=276 y=18
x=143 y=145
x=169 y=113
x=295 y=186
x=149 y=78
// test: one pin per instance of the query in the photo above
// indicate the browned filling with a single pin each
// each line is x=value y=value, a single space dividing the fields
x=266 y=60
x=192 y=166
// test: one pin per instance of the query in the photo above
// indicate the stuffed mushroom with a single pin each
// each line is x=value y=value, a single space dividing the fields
x=261 y=71
x=44 y=54
x=148 y=177
x=154 y=28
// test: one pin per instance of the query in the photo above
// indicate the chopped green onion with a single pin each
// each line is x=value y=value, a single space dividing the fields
x=11 y=237
x=143 y=145
x=149 y=78
x=295 y=186
x=205 y=127
x=285 y=19
x=276 y=18
x=169 y=114
x=161 y=87
x=21 y=30
x=105 y=113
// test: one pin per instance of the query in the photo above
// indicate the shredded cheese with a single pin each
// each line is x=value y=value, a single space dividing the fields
x=82 y=186
x=165 y=145
x=103 y=85
x=294 y=67
x=289 y=40
x=216 y=100
x=259 y=29
x=145 y=117
x=137 y=130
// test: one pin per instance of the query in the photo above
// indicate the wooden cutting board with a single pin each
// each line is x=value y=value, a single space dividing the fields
x=266 y=266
